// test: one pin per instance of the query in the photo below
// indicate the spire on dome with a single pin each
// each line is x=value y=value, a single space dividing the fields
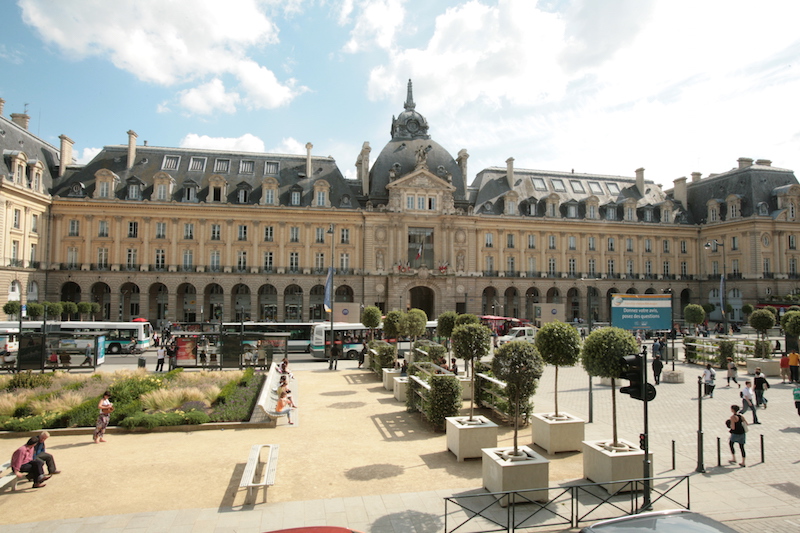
x=410 y=97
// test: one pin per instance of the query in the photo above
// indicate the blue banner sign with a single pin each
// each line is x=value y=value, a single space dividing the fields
x=641 y=311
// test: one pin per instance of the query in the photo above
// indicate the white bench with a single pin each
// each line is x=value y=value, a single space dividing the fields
x=10 y=478
x=251 y=480
x=268 y=399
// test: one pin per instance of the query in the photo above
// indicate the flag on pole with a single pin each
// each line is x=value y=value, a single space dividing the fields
x=328 y=290
x=419 y=252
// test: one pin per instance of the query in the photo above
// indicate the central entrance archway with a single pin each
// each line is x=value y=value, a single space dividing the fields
x=423 y=298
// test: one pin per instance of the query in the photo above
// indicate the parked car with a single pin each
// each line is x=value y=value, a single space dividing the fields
x=523 y=333
x=674 y=521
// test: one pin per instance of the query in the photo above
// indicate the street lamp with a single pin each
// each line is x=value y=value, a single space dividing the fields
x=724 y=295
x=331 y=295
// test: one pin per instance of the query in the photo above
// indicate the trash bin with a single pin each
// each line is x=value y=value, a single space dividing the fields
x=142 y=362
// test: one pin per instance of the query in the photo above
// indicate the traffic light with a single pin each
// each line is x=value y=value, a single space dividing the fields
x=632 y=369
x=642 y=441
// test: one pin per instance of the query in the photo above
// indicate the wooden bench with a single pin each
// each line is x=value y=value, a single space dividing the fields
x=252 y=479
x=10 y=478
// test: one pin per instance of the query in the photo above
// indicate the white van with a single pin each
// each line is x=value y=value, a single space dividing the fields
x=525 y=333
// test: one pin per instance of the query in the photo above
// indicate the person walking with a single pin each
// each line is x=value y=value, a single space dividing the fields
x=749 y=400
x=737 y=427
x=796 y=395
x=794 y=366
x=161 y=353
x=733 y=371
x=709 y=376
x=106 y=407
x=785 y=368
x=760 y=386
x=658 y=366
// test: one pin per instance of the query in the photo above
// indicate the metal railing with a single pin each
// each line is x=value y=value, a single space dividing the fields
x=569 y=505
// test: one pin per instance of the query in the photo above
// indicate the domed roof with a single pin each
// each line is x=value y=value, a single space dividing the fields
x=399 y=157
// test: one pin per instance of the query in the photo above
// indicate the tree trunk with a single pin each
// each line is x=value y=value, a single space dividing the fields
x=555 y=392
x=614 y=412
x=472 y=396
x=516 y=419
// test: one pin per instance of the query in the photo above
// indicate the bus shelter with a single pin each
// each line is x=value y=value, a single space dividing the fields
x=60 y=350
x=213 y=350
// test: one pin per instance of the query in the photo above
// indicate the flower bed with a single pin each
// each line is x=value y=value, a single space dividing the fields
x=30 y=402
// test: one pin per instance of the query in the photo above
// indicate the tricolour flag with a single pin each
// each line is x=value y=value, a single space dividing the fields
x=419 y=252
x=328 y=290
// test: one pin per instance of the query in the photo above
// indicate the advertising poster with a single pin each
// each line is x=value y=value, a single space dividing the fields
x=187 y=351
x=641 y=311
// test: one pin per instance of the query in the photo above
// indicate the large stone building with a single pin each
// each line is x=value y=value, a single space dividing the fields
x=185 y=235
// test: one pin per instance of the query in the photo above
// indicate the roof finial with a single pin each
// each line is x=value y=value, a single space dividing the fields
x=410 y=97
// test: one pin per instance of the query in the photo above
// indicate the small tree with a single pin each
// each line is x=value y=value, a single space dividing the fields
x=559 y=345
x=747 y=309
x=95 y=309
x=772 y=309
x=53 y=309
x=413 y=324
x=371 y=318
x=694 y=314
x=391 y=324
x=520 y=366
x=602 y=355
x=708 y=307
x=762 y=321
x=70 y=308
x=12 y=308
x=35 y=310
x=467 y=318
x=470 y=342
x=84 y=308
x=445 y=324
x=790 y=322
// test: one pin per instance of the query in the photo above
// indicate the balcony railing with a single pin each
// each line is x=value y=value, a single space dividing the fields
x=489 y=273
x=769 y=275
x=15 y=263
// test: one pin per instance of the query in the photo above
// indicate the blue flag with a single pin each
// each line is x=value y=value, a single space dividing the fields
x=328 y=290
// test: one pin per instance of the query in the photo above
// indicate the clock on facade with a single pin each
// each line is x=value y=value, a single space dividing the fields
x=412 y=125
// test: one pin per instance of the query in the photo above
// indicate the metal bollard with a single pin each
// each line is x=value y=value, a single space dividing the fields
x=762 y=447
x=719 y=452
x=673 y=455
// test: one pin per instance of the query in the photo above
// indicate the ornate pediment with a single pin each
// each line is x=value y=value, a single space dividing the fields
x=421 y=192
x=421 y=180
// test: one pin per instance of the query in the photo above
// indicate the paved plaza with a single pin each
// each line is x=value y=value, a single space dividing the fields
x=357 y=459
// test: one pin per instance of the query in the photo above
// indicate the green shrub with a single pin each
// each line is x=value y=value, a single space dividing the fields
x=238 y=405
x=690 y=348
x=131 y=389
x=123 y=411
x=763 y=349
x=726 y=349
x=29 y=380
x=85 y=415
x=413 y=398
x=32 y=423
x=387 y=353
x=443 y=400
x=197 y=417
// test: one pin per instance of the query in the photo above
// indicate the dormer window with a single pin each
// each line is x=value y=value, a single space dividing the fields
x=103 y=189
x=539 y=184
x=595 y=187
x=572 y=211
x=648 y=215
x=170 y=162
x=577 y=186
x=243 y=193
x=295 y=198
x=223 y=166
x=134 y=188
x=321 y=193
x=763 y=210
x=197 y=164
x=190 y=191
x=611 y=212
x=247 y=167
x=558 y=185
x=216 y=189
x=271 y=168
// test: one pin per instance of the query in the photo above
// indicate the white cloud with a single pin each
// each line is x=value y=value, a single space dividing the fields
x=165 y=43
x=245 y=143
x=262 y=89
x=87 y=155
x=209 y=97
x=377 y=23
x=289 y=145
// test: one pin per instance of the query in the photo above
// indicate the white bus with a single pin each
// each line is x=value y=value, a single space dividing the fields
x=120 y=336
x=352 y=336
x=299 y=332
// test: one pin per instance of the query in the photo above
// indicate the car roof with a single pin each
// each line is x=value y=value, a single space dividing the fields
x=673 y=521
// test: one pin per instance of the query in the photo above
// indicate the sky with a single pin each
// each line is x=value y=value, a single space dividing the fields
x=605 y=87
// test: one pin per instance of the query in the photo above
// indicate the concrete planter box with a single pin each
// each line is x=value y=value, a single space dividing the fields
x=388 y=378
x=466 y=439
x=466 y=388
x=769 y=367
x=400 y=388
x=606 y=382
x=500 y=474
x=672 y=376
x=601 y=465
x=564 y=434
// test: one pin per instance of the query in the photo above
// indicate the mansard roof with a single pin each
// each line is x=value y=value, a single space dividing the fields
x=15 y=139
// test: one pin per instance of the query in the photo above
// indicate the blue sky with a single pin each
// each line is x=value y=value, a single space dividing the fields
x=605 y=87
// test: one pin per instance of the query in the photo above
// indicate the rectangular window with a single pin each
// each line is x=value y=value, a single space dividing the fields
x=489 y=262
x=531 y=242
x=104 y=188
x=321 y=198
x=271 y=167
x=294 y=234
x=577 y=186
x=572 y=211
x=190 y=193
x=421 y=203
x=345 y=236
x=102 y=258
x=628 y=244
x=161 y=230
x=320 y=232
x=571 y=266
x=216 y=194
x=134 y=191
x=197 y=164
x=611 y=268
x=161 y=259
x=665 y=246
x=592 y=212
x=558 y=185
x=131 y=260
x=767 y=266
x=247 y=167
x=611 y=213
x=222 y=165
x=319 y=262
x=592 y=268
x=269 y=234
x=133 y=230
x=161 y=192
x=592 y=244
x=241 y=260
x=735 y=243
x=188 y=231
x=648 y=215
x=17 y=218
x=551 y=267
x=102 y=228
x=573 y=242
x=532 y=267
x=666 y=270
x=793 y=266
x=214 y=261
x=242 y=232
x=613 y=188
x=510 y=240
x=683 y=247
x=34 y=223
x=648 y=245
x=551 y=242
x=648 y=268
x=72 y=254
x=216 y=231
x=410 y=202
x=684 y=269
x=295 y=197
x=269 y=197
x=489 y=240
x=539 y=184
x=431 y=203
x=715 y=268
x=170 y=162
x=74 y=228
x=294 y=262
x=188 y=260
x=595 y=187
x=629 y=268
x=735 y=266
x=665 y=216
x=611 y=244
x=344 y=262
x=268 y=263
x=792 y=242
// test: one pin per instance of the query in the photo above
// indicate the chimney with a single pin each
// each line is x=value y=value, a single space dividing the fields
x=21 y=119
x=679 y=191
x=696 y=177
x=2 y=105
x=745 y=162
x=309 y=146
x=640 y=180
x=510 y=172
x=764 y=162
x=462 y=162
x=362 y=167
x=66 y=154
x=131 y=148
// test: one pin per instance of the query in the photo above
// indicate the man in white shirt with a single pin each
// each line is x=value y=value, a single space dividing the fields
x=749 y=400
x=160 y=354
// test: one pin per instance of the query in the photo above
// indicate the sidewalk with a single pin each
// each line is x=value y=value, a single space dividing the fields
x=357 y=459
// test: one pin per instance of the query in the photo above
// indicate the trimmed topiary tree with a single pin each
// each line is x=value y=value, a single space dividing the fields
x=747 y=309
x=371 y=318
x=84 y=308
x=445 y=324
x=762 y=321
x=69 y=308
x=470 y=342
x=95 y=309
x=520 y=366
x=12 y=308
x=413 y=323
x=559 y=345
x=467 y=318
x=694 y=314
x=391 y=324
x=35 y=310
x=53 y=309
x=602 y=355
x=444 y=400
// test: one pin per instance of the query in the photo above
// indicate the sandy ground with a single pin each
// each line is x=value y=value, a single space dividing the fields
x=352 y=438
